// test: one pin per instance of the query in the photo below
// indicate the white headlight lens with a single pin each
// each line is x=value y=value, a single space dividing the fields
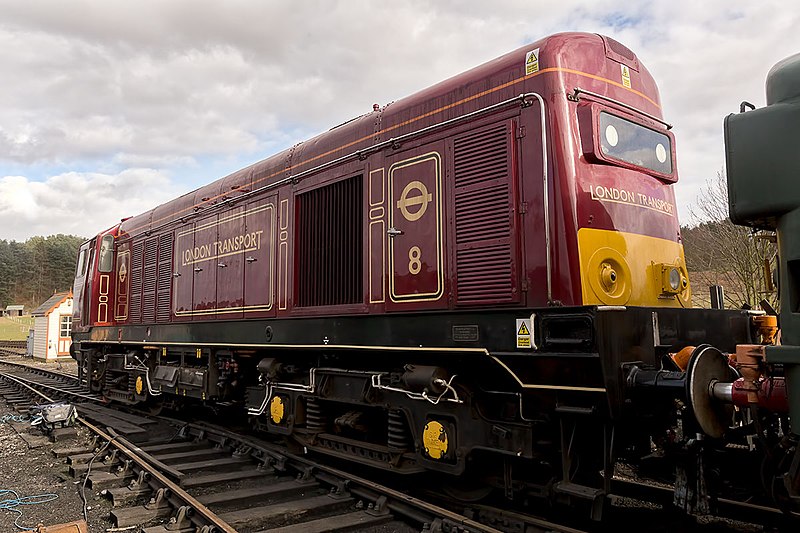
x=661 y=153
x=611 y=135
x=674 y=279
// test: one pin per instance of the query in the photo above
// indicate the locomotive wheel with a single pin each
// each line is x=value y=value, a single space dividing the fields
x=155 y=408
x=466 y=489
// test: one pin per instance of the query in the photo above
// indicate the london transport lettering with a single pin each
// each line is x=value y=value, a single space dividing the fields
x=621 y=196
x=246 y=242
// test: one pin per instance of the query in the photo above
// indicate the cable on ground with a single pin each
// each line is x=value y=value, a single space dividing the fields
x=13 y=504
x=13 y=418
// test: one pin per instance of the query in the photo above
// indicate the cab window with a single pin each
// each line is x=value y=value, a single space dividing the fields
x=105 y=262
x=80 y=270
x=632 y=143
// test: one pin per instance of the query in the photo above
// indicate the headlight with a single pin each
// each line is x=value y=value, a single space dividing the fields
x=674 y=279
x=612 y=137
x=661 y=153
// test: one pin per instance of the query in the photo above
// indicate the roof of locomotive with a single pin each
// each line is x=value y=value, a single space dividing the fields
x=397 y=118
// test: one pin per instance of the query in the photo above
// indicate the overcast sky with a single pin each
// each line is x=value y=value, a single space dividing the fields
x=108 y=108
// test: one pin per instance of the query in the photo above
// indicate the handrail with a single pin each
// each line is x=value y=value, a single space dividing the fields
x=523 y=99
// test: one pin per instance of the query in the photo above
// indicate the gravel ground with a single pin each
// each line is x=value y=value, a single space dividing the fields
x=29 y=467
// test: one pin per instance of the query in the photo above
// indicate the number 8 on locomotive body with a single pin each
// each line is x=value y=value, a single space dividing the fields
x=479 y=280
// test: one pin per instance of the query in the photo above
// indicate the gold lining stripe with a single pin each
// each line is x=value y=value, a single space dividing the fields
x=269 y=206
x=211 y=311
x=407 y=122
x=123 y=258
x=550 y=387
x=272 y=345
x=436 y=157
x=378 y=242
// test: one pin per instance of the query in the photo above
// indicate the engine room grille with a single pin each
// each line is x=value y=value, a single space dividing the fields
x=149 y=281
x=328 y=253
x=483 y=216
x=163 y=304
x=136 y=283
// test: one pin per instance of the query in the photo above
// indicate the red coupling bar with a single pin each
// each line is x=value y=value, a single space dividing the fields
x=770 y=393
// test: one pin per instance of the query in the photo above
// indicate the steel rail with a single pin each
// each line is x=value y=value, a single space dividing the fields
x=176 y=490
x=25 y=385
x=56 y=389
x=275 y=452
x=42 y=370
x=271 y=450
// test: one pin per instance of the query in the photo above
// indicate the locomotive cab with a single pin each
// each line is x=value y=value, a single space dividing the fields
x=94 y=294
x=94 y=281
x=629 y=246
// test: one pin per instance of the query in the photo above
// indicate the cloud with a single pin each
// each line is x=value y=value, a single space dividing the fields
x=77 y=203
x=183 y=87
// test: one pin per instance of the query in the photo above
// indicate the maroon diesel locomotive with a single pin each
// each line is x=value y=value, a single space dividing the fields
x=484 y=279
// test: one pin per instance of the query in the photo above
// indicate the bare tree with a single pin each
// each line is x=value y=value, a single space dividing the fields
x=719 y=252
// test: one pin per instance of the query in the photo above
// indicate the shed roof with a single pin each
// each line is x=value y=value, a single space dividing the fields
x=15 y=307
x=51 y=303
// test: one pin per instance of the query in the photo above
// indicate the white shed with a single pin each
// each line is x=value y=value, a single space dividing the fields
x=14 y=310
x=52 y=326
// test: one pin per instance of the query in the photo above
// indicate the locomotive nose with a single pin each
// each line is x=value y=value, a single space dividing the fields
x=619 y=268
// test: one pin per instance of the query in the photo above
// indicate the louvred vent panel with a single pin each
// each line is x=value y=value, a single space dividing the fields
x=149 y=281
x=136 y=283
x=483 y=217
x=164 y=280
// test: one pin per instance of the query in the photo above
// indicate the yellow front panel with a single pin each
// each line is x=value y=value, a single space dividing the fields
x=620 y=268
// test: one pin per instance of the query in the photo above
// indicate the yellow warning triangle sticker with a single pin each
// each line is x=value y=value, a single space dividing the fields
x=523 y=330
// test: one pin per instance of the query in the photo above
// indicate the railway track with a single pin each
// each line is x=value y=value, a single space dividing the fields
x=53 y=384
x=195 y=477
x=176 y=476
x=13 y=348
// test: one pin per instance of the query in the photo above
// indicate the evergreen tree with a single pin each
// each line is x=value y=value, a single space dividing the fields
x=31 y=271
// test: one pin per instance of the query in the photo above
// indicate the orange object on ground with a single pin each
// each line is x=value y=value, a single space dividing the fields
x=71 y=527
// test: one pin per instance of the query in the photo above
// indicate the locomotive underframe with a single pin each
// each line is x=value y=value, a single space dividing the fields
x=556 y=419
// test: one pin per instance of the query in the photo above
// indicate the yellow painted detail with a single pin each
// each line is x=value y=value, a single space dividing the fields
x=619 y=268
x=139 y=385
x=276 y=409
x=434 y=439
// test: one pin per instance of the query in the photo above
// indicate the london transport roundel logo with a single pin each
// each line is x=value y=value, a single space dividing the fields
x=422 y=200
